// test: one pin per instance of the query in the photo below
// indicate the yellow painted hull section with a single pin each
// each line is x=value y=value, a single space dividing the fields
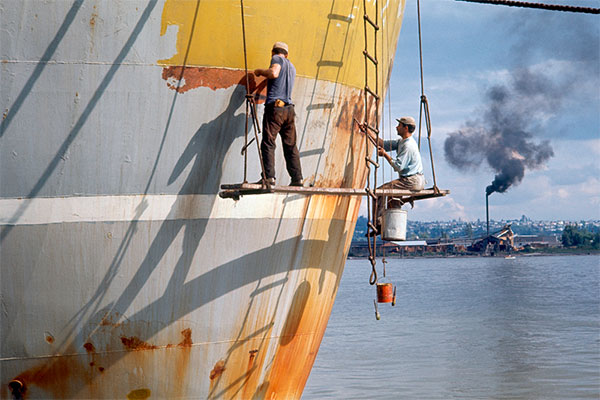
x=326 y=38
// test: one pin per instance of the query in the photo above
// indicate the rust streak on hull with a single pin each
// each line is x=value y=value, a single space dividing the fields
x=51 y=377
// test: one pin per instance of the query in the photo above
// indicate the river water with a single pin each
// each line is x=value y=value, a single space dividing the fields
x=465 y=328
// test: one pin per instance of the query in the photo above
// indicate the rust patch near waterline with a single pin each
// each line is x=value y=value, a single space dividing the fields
x=51 y=377
x=217 y=370
x=139 y=394
x=187 y=338
x=134 y=343
x=89 y=347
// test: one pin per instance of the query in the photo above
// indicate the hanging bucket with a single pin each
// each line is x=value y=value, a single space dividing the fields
x=394 y=224
x=385 y=292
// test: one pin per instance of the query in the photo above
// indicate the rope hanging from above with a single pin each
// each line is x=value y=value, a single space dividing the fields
x=424 y=106
x=250 y=108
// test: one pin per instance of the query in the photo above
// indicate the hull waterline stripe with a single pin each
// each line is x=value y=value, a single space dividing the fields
x=40 y=211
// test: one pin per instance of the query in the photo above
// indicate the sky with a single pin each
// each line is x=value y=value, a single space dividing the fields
x=513 y=93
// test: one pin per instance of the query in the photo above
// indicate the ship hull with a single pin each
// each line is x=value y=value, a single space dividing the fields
x=124 y=274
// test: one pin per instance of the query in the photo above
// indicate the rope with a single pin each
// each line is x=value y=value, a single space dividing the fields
x=245 y=153
x=421 y=68
x=245 y=51
x=552 y=7
x=424 y=105
x=387 y=132
x=250 y=107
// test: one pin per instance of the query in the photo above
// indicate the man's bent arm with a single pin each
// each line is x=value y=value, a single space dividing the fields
x=389 y=159
x=271 y=73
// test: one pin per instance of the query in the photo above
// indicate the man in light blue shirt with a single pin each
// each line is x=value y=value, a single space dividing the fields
x=407 y=163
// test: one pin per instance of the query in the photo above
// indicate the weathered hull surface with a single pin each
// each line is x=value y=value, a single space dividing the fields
x=124 y=275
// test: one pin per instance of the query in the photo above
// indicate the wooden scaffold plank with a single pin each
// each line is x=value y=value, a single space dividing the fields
x=241 y=189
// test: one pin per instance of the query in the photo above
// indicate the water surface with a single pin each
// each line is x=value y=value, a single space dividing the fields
x=465 y=328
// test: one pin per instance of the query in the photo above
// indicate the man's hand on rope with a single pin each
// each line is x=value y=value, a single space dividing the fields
x=383 y=153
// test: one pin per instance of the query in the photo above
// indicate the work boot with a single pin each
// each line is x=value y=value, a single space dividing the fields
x=267 y=181
x=296 y=183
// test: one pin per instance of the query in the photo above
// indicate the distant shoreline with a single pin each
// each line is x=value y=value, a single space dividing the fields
x=566 y=252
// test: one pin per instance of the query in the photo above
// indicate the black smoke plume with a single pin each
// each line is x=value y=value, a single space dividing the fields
x=503 y=136
x=565 y=49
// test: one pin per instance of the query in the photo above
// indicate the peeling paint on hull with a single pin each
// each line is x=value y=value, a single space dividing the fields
x=124 y=275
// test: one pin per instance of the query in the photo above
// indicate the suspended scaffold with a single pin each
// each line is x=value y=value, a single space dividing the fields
x=235 y=191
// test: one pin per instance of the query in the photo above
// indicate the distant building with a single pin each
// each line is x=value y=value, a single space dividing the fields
x=537 y=241
x=500 y=241
x=413 y=248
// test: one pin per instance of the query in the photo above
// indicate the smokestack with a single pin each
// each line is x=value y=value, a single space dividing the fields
x=487 y=212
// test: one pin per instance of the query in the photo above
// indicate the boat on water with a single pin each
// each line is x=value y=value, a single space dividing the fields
x=123 y=273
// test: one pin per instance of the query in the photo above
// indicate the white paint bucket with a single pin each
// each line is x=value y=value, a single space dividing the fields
x=394 y=224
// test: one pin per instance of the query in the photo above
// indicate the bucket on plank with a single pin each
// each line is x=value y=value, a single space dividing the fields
x=394 y=224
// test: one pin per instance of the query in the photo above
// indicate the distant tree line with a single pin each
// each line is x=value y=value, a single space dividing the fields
x=574 y=236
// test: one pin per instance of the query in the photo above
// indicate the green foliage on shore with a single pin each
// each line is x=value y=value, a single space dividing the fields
x=574 y=236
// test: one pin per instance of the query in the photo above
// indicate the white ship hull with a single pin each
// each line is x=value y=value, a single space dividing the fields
x=123 y=272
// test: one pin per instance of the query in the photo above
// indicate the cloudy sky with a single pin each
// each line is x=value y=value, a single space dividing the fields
x=513 y=93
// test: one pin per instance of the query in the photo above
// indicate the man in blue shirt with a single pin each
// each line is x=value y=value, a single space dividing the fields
x=407 y=163
x=279 y=116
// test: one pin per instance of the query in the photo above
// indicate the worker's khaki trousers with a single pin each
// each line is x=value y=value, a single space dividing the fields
x=414 y=182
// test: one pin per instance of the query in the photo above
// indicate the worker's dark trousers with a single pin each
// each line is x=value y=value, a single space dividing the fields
x=280 y=120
